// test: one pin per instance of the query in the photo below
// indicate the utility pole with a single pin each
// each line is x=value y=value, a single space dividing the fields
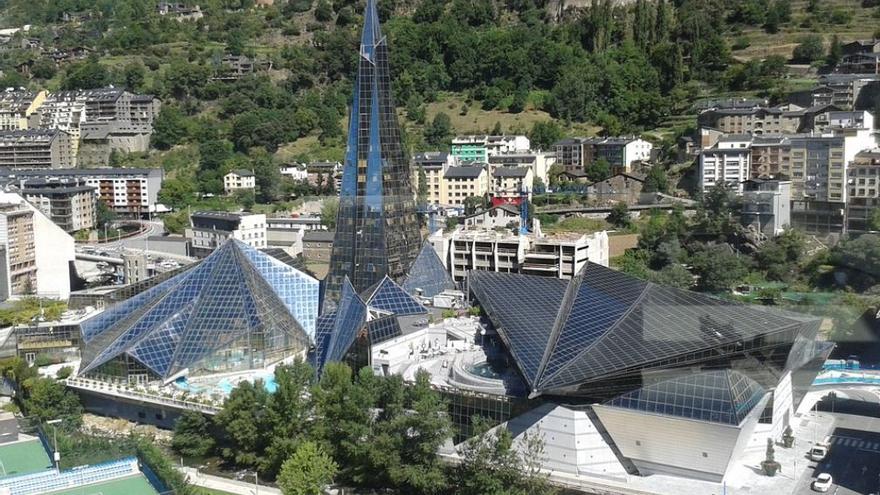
x=56 y=456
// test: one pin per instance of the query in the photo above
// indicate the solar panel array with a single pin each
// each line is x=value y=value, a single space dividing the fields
x=237 y=298
x=722 y=396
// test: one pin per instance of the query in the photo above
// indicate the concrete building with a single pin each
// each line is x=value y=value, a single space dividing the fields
x=18 y=109
x=538 y=161
x=295 y=172
x=564 y=255
x=99 y=140
x=71 y=204
x=478 y=148
x=37 y=253
x=758 y=120
x=288 y=233
x=621 y=152
x=771 y=156
x=463 y=182
x=179 y=11
x=317 y=245
x=863 y=181
x=128 y=191
x=503 y=216
x=846 y=91
x=619 y=187
x=485 y=250
x=766 y=206
x=509 y=183
x=321 y=172
x=210 y=229
x=862 y=46
x=859 y=63
x=829 y=121
x=36 y=149
x=134 y=267
x=727 y=163
x=239 y=179
x=434 y=164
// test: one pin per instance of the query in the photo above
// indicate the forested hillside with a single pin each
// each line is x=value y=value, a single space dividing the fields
x=460 y=65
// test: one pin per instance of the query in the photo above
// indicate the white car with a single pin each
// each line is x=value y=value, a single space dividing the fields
x=822 y=483
x=818 y=453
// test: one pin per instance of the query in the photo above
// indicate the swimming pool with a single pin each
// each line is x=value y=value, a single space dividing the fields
x=224 y=386
x=485 y=370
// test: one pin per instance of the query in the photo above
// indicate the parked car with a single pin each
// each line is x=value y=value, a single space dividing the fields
x=823 y=483
x=818 y=453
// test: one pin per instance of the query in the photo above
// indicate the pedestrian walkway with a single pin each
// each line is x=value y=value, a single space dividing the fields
x=223 y=484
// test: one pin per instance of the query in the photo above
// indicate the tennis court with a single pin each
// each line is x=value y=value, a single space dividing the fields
x=24 y=457
x=131 y=485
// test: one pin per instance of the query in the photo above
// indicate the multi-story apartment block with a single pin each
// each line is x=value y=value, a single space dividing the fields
x=18 y=109
x=859 y=63
x=828 y=121
x=766 y=206
x=128 y=191
x=727 y=163
x=99 y=140
x=510 y=183
x=863 y=181
x=35 y=254
x=539 y=161
x=179 y=11
x=619 y=151
x=771 y=156
x=434 y=164
x=563 y=255
x=846 y=91
x=36 y=149
x=478 y=148
x=209 y=229
x=758 y=120
x=71 y=204
x=818 y=168
x=463 y=182
x=239 y=179
x=484 y=250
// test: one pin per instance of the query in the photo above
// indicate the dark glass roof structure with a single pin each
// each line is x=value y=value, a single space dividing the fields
x=721 y=396
x=427 y=276
x=571 y=338
x=236 y=298
x=372 y=315
x=377 y=232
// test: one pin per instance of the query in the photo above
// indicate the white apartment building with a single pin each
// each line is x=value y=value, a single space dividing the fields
x=295 y=172
x=726 y=163
x=434 y=164
x=509 y=183
x=539 y=161
x=239 y=179
x=36 y=254
x=209 y=229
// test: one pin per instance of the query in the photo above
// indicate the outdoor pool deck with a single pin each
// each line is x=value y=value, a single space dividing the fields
x=132 y=485
x=23 y=457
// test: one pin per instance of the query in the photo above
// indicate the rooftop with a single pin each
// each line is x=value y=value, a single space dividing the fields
x=464 y=172
x=511 y=172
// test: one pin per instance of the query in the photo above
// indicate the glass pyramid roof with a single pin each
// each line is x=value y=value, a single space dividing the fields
x=603 y=322
x=427 y=276
x=388 y=296
x=722 y=396
x=350 y=317
x=237 y=293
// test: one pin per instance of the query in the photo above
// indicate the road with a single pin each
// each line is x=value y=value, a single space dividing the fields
x=198 y=478
x=854 y=457
x=152 y=228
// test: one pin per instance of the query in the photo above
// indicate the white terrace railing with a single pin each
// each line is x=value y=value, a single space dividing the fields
x=142 y=394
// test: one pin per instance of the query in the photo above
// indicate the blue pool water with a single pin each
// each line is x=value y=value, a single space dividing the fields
x=485 y=370
x=225 y=385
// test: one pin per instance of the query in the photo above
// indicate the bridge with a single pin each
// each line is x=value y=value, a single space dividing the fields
x=98 y=258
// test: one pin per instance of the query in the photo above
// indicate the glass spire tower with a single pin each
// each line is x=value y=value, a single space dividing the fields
x=377 y=231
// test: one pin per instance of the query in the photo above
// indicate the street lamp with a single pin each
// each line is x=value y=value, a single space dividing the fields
x=256 y=483
x=57 y=455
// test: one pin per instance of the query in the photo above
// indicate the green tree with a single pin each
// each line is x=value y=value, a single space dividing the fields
x=245 y=425
x=329 y=211
x=439 y=131
x=544 y=134
x=307 y=471
x=87 y=74
x=192 y=437
x=415 y=111
x=656 y=180
x=674 y=275
x=44 y=68
x=599 y=170
x=47 y=399
x=169 y=128
x=267 y=176
x=134 y=75
x=323 y=12
x=619 y=216
x=835 y=52
x=104 y=215
x=809 y=49
x=718 y=267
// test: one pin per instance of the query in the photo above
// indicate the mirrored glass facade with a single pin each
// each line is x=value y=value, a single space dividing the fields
x=377 y=231
x=238 y=309
x=427 y=277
